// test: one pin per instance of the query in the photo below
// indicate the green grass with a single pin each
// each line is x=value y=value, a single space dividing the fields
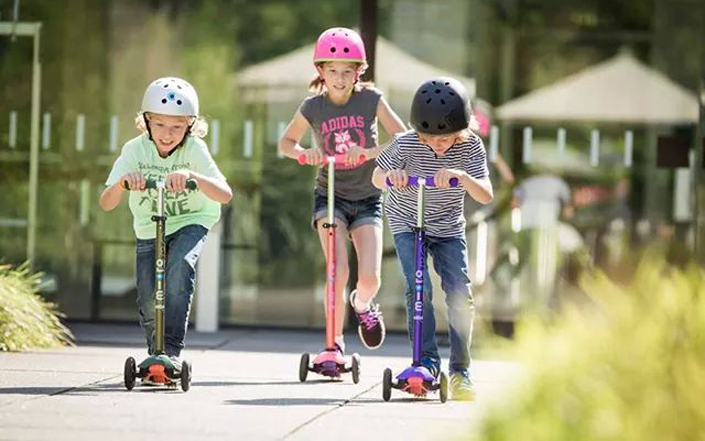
x=630 y=366
x=26 y=320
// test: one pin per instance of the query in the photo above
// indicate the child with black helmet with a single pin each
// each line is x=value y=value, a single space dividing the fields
x=170 y=149
x=440 y=145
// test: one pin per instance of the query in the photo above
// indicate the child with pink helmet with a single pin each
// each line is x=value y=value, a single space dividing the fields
x=343 y=113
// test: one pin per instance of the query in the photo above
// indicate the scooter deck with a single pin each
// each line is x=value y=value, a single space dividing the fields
x=330 y=364
x=159 y=370
x=416 y=380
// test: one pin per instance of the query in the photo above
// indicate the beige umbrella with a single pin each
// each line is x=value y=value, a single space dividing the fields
x=618 y=90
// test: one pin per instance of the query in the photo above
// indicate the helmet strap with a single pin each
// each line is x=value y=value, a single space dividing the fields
x=146 y=124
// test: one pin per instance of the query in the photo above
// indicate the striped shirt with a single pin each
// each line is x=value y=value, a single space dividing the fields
x=443 y=208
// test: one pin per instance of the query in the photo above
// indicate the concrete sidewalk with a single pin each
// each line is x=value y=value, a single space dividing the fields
x=245 y=386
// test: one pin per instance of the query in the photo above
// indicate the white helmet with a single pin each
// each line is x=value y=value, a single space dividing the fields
x=170 y=96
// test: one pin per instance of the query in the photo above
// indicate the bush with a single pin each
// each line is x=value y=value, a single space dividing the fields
x=632 y=367
x=26 y=320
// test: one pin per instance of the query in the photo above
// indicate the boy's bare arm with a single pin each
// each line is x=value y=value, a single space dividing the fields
x=111 y=197
x=378 y=178
x=478 y=189
x=213 y=188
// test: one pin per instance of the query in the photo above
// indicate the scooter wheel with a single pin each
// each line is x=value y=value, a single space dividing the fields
x=443 y=390
x=186 y=373
x=130 y=373
x=303 y=367
x=387 y=384
x=356 y=368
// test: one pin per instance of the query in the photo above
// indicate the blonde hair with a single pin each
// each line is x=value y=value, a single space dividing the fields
x=198 y=126
x=461 y=135
x=318 y=86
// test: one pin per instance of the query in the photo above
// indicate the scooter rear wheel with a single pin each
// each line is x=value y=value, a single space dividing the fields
x=387 y=384
x=130 y=372
x=443 y=390
x=185 y=376
x=303 y=367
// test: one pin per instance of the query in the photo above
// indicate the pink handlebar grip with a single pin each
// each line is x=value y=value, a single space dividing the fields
x=339 y=159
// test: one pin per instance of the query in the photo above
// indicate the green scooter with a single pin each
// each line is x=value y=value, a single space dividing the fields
x=158 y=369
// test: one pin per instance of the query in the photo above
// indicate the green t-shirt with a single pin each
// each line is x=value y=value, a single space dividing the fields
x=181 y=209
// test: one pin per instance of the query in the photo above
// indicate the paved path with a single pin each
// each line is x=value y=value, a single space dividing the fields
x=245 y=386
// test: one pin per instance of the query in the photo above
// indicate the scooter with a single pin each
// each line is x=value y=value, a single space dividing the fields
x=158 y=369
x=416 y=379
x=327 y=362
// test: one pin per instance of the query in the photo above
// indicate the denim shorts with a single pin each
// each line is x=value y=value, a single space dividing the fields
x=353 y=214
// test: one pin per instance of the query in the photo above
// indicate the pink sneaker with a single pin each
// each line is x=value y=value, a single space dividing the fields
x=371 y=328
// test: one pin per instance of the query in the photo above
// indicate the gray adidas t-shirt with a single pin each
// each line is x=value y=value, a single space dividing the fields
x=337 y=128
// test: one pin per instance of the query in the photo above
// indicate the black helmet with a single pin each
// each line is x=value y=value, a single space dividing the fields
x=440 y=106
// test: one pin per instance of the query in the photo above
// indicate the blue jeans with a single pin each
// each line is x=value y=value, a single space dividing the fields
x=182 y=250
x=450 y=261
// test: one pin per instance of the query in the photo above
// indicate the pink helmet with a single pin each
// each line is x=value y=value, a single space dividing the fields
x=340 y=44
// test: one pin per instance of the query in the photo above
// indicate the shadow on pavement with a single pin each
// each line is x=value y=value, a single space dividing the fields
x=325 y=401
x=257 y=383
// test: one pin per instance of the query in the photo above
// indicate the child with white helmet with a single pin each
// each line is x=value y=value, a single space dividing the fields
x=170 y=149
x=343 y=115
x=440 y=145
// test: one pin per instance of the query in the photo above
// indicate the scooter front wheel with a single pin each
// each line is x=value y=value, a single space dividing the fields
x=130 y=373
x=303 y=367
x=185 y=376
x=356 y=368
x=387 y=384
x=443 y=390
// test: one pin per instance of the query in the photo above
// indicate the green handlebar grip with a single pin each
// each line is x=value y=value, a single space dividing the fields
x=191 y=184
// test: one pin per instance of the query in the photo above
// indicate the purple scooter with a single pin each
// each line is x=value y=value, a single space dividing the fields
x=416 y=379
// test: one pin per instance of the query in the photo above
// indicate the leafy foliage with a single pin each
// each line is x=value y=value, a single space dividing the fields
x=630 y=367
x=26 y=320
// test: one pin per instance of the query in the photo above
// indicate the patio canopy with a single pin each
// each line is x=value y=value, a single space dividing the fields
x=284 y=78
x=618 y=90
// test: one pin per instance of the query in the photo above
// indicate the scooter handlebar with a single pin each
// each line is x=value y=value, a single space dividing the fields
x=339 y=159
x=191 y=184
x=430 y=182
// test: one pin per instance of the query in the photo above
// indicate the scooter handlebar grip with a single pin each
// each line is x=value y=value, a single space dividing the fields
x=149 y=184
x=339 y=159
x=414 y=181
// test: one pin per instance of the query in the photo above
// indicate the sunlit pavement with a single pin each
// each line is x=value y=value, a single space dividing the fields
x=245 y=386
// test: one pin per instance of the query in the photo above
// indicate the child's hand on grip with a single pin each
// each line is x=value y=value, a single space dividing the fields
x=135 y=181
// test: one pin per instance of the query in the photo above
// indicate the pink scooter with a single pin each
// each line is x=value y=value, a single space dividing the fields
x=328 y=362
